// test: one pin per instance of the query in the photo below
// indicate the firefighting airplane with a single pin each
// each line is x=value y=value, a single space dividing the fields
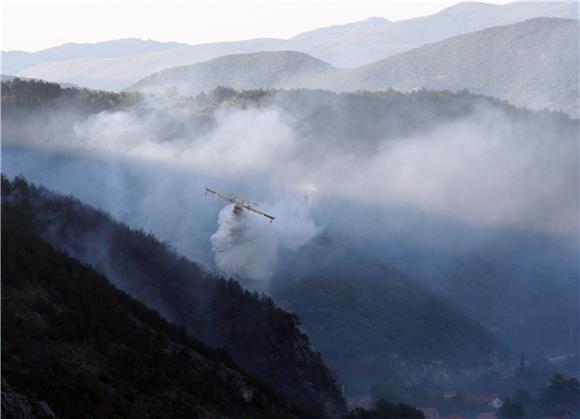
x=240 y=204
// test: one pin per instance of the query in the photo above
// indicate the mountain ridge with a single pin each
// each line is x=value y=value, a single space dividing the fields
x=340 y=46
x=522 y=54
x=14 y=61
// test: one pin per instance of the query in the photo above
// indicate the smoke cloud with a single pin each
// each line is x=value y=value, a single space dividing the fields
x=148 y=165
x=246 y=246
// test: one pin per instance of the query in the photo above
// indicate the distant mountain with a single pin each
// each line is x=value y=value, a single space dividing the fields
x=532 y=64
x=74 y=345
x=15 y=61
x=280 y=69
x=117 y=73
x=367 y=45
x=331 y=33
x=260 y=337
x=349 y=45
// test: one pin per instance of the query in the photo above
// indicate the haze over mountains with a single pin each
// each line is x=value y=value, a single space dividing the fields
x=16 y=61
x=426 y=230
x=531 y=64
x=367 y=44
x=408 y=221
x=348 y=45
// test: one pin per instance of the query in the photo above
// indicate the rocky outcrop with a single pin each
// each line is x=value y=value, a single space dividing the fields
x=17 y=406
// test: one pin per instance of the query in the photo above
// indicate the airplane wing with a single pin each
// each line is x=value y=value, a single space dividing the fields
x=249 y=208
x=220 y=195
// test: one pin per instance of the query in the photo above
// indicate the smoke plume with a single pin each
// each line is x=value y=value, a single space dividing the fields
x=247 y=246
x=312 y=159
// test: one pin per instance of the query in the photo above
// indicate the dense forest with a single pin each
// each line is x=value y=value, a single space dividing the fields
x=386 y=410
x=322 y=118
x=74 y=342
x=262 y=338
x=372 y=117
x=32 y=94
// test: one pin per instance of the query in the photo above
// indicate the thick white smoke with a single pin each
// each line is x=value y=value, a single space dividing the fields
x=479 y=169
x=474 y=168
x=247 y=246
x=240 y=248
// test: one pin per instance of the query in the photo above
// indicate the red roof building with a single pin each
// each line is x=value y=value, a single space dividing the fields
x=481 y=398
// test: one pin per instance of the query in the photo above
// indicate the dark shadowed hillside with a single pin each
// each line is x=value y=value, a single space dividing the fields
x=263 y=339
x=371 y=324
x=75 y=342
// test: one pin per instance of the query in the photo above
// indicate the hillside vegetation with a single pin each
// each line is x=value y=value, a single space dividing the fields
x=370 y=325
x=472 y=275
x=262 y=338
x=74 y=341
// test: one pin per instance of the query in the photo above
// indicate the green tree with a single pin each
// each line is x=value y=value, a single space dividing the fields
x=511 y=410
x=561 y=392
x=386 y=410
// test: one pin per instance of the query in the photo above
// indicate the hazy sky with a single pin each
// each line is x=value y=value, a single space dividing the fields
x=32 y=25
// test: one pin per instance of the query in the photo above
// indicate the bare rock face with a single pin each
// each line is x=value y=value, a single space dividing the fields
x=17 y=406
x=43 y=410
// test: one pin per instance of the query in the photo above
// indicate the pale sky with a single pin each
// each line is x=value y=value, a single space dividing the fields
x=32 y=25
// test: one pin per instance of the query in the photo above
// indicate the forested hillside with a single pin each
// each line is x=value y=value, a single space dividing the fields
x=263 y=339
x=371 y=325
x=394 y=190
x=72 y=340
x=348 y=222
x=33 y=95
